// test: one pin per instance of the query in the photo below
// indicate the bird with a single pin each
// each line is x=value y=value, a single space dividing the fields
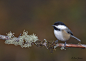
x=62 y=32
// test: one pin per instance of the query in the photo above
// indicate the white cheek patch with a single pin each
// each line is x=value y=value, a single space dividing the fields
x=61 y=27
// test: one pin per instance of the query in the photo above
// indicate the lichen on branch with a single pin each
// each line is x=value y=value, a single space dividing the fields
x=25 y=40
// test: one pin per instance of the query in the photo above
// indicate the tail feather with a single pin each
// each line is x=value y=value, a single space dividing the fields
x=75 y=38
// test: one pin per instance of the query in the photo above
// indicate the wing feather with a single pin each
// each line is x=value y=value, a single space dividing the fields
x=69 y=31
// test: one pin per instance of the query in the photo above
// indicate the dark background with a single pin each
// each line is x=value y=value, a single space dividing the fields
x=38 y=16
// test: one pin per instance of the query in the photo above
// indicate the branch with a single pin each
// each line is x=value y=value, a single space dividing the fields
x=26 y=40
x=73 y=45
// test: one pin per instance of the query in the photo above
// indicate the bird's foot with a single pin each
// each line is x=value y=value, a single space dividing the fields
x=65 y=44
x=63 y=47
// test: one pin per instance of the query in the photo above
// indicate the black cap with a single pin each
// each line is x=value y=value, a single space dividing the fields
x=59 y=23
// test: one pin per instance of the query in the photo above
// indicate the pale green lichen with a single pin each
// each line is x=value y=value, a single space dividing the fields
x=62 y=48
x=45 y=40
x=10 y=34
x=24 y=40
x=56 y=46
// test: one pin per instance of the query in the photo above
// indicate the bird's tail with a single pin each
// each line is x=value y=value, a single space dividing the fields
x=76 y=38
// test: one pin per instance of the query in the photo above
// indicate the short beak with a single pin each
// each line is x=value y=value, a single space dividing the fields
x=53 y=25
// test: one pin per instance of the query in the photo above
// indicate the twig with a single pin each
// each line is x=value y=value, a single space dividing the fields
x=24 y=40
x=72 y=45
x=4 y=37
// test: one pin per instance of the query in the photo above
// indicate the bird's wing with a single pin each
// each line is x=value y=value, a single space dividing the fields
x=69 y=31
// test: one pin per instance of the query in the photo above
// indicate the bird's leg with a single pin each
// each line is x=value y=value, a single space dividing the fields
x=63 y=47
x=65 y=44
x=56 y=41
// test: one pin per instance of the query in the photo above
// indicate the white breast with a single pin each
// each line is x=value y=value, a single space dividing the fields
x=59 y=35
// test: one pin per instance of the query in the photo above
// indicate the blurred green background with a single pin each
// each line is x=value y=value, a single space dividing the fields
x=38 y=16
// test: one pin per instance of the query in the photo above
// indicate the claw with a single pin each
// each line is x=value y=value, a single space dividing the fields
x=65 y=44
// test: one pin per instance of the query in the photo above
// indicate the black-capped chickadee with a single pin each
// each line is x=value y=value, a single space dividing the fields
x=62 y=32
